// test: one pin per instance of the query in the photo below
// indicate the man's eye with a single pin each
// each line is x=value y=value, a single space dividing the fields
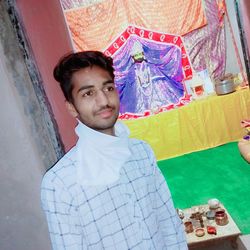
x=89 y=93
x=110 y=88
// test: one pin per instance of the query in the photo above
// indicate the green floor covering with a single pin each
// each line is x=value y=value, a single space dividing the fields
x=214 y=173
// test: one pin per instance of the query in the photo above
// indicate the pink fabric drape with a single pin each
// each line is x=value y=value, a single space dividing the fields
x=245 y=8
x=207 y=46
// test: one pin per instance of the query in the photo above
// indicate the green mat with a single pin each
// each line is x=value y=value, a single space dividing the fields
x=214 y=173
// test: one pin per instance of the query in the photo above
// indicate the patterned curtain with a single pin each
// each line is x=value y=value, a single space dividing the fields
x=98 y=24
x=71 y=4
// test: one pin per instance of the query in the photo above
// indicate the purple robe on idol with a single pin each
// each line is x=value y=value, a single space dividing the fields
x=152 y=83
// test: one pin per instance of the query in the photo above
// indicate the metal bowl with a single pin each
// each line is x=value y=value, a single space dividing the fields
x=224 y=87
x=210 y=214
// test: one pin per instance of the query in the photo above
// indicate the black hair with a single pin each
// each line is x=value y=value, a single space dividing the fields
x=73 y=62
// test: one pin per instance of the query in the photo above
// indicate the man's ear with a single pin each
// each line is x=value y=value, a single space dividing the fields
x=71 y=109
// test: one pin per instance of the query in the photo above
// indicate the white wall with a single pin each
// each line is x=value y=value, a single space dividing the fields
x=22 y=222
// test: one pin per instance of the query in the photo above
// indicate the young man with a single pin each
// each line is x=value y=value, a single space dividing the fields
x=106 y=192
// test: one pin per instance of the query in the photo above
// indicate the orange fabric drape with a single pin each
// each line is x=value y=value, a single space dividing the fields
x=96 y=26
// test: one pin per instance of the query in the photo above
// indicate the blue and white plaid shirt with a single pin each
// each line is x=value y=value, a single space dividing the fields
x=135 y=212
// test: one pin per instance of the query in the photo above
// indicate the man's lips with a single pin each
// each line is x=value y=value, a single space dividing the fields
x=105 y=113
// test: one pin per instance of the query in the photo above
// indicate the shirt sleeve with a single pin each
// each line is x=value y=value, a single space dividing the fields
x=169 y=222
x=63 y=220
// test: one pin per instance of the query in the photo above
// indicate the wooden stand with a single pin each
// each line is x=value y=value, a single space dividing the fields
x=229 y=232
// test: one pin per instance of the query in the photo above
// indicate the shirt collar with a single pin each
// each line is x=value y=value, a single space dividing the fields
x=100 y=156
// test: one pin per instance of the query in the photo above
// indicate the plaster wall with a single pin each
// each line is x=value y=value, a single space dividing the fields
x=22 y=164
x=22 y=223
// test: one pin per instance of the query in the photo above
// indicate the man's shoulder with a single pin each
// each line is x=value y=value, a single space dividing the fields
x=62 y=170
x=137 y=144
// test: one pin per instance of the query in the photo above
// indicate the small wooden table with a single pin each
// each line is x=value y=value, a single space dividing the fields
x=229 y=231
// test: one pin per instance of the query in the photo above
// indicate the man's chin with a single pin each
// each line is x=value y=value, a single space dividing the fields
x=104 y=125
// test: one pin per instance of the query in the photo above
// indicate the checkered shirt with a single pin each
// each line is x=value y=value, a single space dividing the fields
x=135 y=212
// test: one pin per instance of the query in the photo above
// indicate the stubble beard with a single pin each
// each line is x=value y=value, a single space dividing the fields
x=102 y=125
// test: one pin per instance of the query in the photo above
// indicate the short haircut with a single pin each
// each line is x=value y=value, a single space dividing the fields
x=74 y=62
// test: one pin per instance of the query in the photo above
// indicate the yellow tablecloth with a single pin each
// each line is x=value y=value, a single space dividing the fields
x=200 y=125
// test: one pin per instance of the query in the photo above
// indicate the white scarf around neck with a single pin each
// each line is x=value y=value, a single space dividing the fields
x=100 y=156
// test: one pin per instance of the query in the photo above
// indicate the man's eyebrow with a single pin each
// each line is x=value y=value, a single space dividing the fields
x=92 y=86
x=85 y=87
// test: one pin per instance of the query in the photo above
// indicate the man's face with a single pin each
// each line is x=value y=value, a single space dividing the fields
x=138 y=57
x=95 y=99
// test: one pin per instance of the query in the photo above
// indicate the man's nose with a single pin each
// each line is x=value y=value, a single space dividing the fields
x=101 y=98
